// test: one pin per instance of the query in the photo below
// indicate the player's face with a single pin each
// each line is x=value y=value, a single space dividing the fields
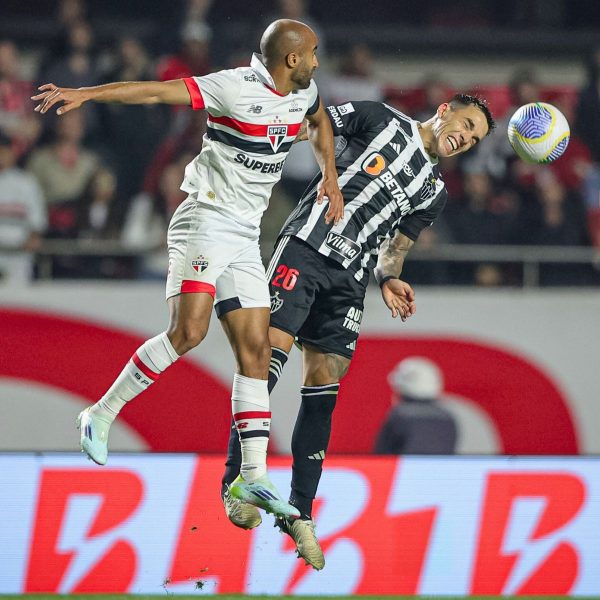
x=458 y=130
x=307 y=64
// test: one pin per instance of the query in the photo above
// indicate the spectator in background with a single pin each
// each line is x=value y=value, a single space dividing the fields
x=417 y=423
x=22 y=217
x=587 y=120
x=193 y=58
x=64 y=169
x=77 y=66
x=355 y=78
x=132 y=132
x=17 y=121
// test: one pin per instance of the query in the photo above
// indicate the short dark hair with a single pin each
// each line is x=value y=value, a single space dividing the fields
x=480 y=103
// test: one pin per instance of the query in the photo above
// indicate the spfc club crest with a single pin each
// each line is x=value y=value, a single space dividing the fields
x=276 y=302
x=276 y=135
x=199 y=264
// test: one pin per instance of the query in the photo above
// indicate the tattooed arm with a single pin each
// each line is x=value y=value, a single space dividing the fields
x=398 y=296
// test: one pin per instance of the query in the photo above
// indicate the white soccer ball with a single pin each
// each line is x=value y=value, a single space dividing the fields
x=538 y=132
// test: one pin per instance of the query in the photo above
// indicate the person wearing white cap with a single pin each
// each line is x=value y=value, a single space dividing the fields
x=417 y=423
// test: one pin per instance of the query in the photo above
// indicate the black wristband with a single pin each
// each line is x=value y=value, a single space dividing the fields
x=387 y=278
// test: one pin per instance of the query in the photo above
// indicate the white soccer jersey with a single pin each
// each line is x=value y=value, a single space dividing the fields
x=250 y=130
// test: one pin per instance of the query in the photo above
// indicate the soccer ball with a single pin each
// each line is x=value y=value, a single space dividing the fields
x=538 y=132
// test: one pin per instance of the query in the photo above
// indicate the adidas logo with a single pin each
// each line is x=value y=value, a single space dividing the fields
x=317 y=455
x=396 y=147
x=351 y=345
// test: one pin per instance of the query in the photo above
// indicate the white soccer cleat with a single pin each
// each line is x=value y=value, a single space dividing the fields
x=241 y=514
x=302 y=531
x=263 y=494
x=93 y=436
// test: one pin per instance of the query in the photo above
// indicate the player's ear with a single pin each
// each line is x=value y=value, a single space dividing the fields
x=291 y=60
x=443 y=109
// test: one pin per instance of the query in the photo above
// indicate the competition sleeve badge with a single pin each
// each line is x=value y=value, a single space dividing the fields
x=199 y=264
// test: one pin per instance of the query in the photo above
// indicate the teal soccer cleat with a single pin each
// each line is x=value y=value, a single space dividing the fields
x=93 y=436
x=263 y=494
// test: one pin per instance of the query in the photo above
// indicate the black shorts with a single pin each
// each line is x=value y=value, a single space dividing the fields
x=314 y=298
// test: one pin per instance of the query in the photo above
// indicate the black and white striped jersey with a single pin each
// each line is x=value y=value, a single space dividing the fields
x=388 y=180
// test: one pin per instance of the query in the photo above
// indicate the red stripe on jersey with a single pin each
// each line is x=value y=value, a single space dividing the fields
x=195 y=94
x=252 y=128
x=251 y=414
x=189 y=286
x=274 y=90
x=143 y=368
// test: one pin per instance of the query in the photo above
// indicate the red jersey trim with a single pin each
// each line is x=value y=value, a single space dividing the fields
x=189 y=286
x=274 y=90
x=195 y=94
x=137 y=361
x=252 y=128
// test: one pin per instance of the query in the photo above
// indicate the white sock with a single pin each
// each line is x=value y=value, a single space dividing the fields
x=250 y=407
x=142 y=370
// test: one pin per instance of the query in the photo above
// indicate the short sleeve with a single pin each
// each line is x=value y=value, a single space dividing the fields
x=412 y=225
x=353 y=117
x=217 y=92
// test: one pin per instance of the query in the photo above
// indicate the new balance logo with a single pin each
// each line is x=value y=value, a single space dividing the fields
x=255 y=109
x=317 y=455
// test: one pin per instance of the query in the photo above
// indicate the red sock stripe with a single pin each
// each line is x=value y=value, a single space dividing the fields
x=251 y=414
x=143 y=368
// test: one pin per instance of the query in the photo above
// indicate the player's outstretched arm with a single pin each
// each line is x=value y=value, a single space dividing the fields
x=124 y=92
x=320 y=135
x=398 y=296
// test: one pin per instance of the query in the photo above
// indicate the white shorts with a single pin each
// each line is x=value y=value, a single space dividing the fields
x=210 y=252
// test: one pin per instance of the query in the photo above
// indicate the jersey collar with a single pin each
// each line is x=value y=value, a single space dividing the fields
x=417 y=135
x=263 y=74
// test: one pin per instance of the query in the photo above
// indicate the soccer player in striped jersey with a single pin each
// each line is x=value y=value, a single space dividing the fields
x=388 y=174
x=254 y=114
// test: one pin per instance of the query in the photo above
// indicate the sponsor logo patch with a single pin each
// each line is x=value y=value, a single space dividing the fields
x=352 y=320
x=374 y=164
x=344 y=246
x=346 y=108
x=294 y=107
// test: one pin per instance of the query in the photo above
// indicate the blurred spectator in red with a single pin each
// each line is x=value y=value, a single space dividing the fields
x=193 y=57
x=64 y=169
x=22 y=216
x=17 y=120
x=132 y=132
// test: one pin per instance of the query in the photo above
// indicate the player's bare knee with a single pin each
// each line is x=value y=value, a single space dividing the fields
x=323 y=369
x=185 y=336
x=253 y=360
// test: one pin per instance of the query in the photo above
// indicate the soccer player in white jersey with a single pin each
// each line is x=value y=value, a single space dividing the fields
x=254 y=114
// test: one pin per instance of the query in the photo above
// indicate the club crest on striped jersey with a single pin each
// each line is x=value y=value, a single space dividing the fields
x=276 y=302
x=428 y=188
x=276 y=134
x=199 y=264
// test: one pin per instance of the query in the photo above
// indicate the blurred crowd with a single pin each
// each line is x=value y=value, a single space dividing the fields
x=112 y=172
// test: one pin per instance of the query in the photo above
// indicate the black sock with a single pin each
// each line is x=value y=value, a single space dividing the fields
x=234 y=449
x=309 y=443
